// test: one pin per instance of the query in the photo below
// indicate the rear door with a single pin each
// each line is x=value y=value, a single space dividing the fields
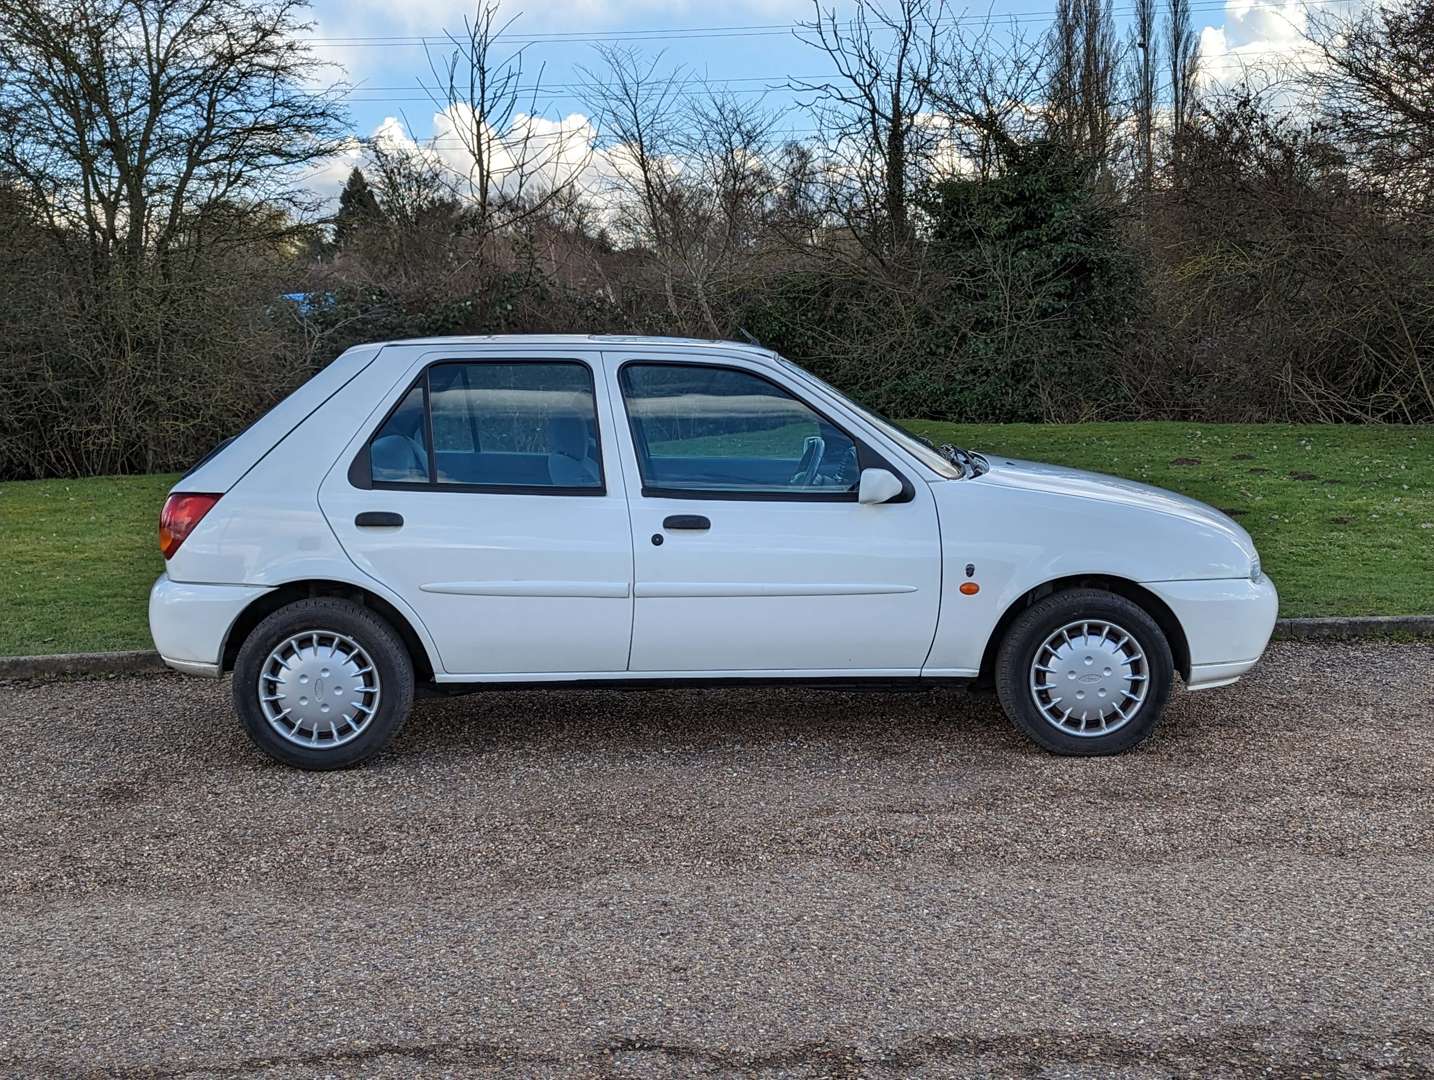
x=751 y=552
x=488 y=494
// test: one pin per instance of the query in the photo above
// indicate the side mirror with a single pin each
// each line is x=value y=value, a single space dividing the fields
x=877 y=486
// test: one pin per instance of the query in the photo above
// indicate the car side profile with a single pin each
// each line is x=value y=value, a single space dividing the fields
x=571 y=510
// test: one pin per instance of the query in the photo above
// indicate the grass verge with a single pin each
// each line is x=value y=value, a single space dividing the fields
x=1343 y=516
x=77 y=558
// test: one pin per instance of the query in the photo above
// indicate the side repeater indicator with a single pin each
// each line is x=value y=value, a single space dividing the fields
x=970 y=588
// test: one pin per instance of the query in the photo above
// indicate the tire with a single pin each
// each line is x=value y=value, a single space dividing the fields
x=1085 y=665
x=325 y=644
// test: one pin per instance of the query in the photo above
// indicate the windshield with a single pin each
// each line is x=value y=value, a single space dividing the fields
x=913 y=444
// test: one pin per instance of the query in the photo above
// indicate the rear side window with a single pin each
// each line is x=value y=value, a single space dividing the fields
x=710 y=431
x=492 y=425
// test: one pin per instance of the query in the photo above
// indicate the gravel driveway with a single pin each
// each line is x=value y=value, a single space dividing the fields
x=775 y=882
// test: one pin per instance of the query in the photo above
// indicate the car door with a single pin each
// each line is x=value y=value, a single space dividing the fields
x=488 y=495
x=751 y=552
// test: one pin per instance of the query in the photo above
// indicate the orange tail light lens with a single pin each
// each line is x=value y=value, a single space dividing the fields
x=182 y=512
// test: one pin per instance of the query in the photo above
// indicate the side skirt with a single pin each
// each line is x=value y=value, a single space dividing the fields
x=846 y=684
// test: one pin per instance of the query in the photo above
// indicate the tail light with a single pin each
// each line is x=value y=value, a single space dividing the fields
x=182 y=512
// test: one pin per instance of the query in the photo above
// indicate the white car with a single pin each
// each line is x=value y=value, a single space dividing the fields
x=571 y=510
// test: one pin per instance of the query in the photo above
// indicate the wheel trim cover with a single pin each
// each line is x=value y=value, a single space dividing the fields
x=1089 y=678
x=318 y=689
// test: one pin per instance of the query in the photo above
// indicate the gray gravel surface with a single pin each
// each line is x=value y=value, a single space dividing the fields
x=789 y=882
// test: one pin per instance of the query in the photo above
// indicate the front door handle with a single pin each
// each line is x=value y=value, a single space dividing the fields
x=686 y=521
x=378 y=518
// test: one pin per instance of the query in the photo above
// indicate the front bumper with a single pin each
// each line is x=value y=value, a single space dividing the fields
x=1227 y=624
x=190 y=623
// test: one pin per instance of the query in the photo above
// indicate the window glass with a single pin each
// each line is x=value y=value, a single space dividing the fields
x=399 y=452
x=913 y=444
x=528 y=424
x=701 y=428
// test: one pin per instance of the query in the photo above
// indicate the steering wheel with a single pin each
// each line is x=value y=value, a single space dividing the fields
x=813 y=450
x=845 y=472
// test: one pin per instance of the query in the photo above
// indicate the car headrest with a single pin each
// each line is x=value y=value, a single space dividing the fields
x=569 y=436
x=398 y=458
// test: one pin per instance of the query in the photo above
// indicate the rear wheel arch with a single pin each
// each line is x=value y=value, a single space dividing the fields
x=1137 y=594
x=289 y=592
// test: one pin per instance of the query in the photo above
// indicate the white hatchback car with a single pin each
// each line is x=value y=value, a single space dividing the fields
x=599 y=510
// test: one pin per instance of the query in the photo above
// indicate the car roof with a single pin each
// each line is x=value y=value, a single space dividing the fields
x=625 y=341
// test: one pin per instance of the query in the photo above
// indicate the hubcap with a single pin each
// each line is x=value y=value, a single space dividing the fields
x=1089 y=678
x=318 y=689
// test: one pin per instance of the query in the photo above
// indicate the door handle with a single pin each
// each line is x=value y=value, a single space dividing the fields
x=686 y=521
x=378 y=518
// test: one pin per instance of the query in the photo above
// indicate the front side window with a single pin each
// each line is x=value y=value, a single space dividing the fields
x=715 y=430
x=913 y=444
x=523 y=425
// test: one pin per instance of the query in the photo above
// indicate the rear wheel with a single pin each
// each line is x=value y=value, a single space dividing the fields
x=1085 y=672
x=323 y=684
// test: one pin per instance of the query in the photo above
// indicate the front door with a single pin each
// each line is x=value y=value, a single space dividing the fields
x=751 y=553
x=490 y=499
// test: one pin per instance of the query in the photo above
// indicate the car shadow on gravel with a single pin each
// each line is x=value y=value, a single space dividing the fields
x=706 y=719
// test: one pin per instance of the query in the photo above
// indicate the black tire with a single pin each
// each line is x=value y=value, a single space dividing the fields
x=1042 y=619
x=371 y=633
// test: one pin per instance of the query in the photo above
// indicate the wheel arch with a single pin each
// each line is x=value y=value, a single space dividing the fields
x=274 y=599
x=1136 y=593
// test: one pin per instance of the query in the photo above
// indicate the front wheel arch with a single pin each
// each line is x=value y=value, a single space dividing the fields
x=1137 y=594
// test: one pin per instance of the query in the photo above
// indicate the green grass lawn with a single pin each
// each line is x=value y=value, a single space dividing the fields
x=1343 y=516
x=77 y=558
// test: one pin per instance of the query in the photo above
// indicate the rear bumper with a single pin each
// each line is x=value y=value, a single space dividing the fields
x=1227 y=624
x=190 y=623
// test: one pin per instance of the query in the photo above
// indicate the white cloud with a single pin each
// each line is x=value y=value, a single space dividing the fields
x=1257 y=38
x=551 y=152
x=327 y=180
x=534 y=149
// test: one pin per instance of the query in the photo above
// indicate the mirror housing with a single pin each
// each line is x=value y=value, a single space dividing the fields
x=878 y=486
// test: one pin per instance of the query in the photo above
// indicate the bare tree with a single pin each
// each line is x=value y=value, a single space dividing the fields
x=513 y=171
x=412 y=246
x=874 y=114
x=727 y=159
x=639 y=115
x=1376 y=92
x=797 y=204
x=1144 y=90
x=637 y=111
x=1082 y=99
x=1183 y=56
x=127 y=118
x=691 y=181
x=988 y=90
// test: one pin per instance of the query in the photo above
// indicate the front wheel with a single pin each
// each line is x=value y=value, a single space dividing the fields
x=323 y=684
x=1084 y=672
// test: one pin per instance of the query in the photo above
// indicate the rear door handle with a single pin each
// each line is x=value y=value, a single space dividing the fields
x=686 y=521
x=379 y=518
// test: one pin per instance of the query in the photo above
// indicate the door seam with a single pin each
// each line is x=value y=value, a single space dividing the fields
x=609 y=377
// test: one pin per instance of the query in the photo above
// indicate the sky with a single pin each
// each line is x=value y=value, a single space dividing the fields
x=748 y=46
